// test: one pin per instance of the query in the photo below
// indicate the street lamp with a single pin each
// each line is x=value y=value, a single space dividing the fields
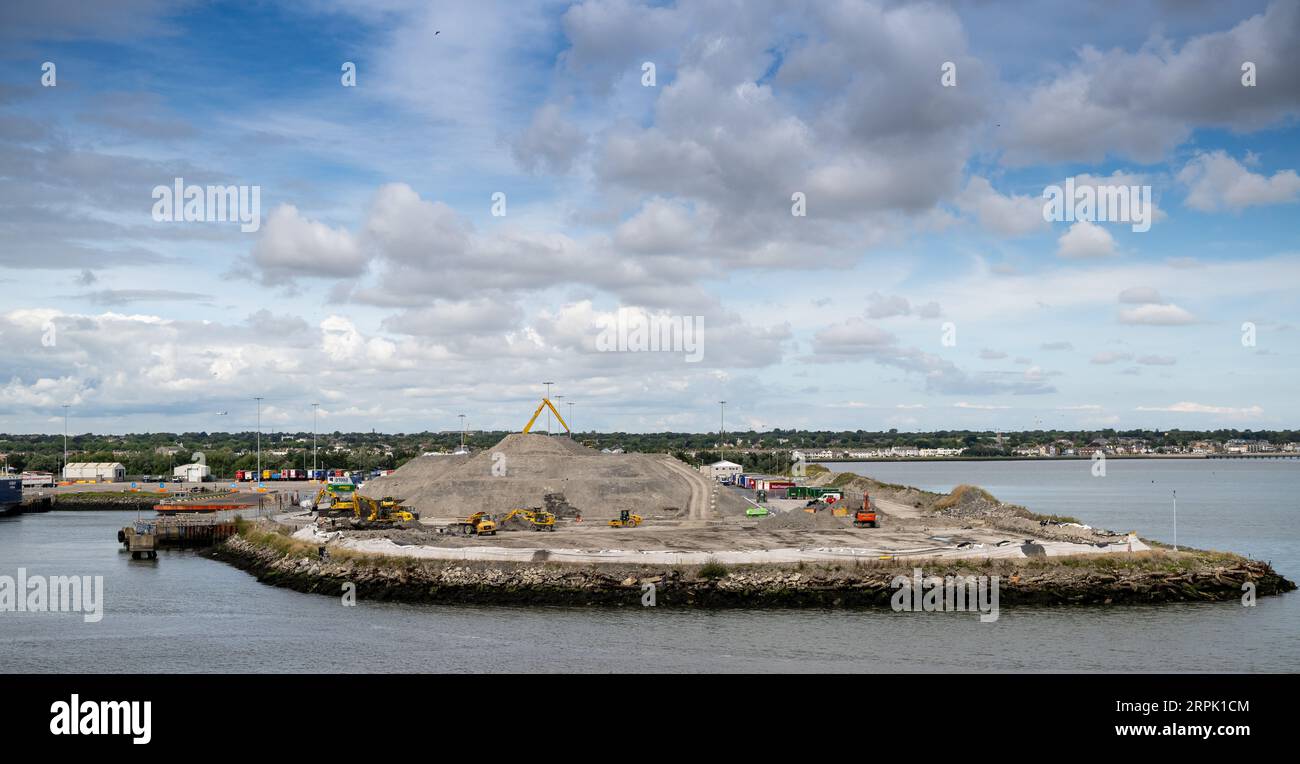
x=65 y=441
x=570 y=420
x=462 y=431
x=314 y=408
x=259 y=438
x=722 y=430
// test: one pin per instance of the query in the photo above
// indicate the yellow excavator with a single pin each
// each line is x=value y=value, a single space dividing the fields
x=539 y=520
x=330 y=501
x=479 y=523
x=625 y=520
x=546 y=403
x=384 y=513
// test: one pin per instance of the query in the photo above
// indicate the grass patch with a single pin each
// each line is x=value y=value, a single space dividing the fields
x=712 y=569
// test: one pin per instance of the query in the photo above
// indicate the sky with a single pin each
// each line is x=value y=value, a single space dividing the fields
x=456 y=200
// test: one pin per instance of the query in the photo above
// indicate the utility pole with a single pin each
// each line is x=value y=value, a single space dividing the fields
x=259 y=439
x=722 y=430
x=65 y=441
x=548 y=408
x=314 y=408
x=462 y=431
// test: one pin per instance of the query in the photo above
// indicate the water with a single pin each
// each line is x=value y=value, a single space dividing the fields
x=185 y=613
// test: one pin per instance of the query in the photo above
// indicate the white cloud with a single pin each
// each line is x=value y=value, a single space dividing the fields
x=1140 y=296
x=292 y=247
x=1188 y=407
x=1157 y=360
x=1086 y=240
x=1216 y=181
x=1010 y=215
x=1156 y=315
x=1109 y=357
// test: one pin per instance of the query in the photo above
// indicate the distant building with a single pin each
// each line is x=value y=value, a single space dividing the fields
x=193 y=473
x=107 y=472
x=721 y=470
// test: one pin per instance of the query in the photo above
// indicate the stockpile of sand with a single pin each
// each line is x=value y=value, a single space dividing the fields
x=522 y=469
x=968 y=501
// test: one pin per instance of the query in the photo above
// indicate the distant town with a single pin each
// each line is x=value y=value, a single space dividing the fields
x=155 y=455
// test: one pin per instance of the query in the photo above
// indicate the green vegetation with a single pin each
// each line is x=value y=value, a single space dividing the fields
x=766 y=452
x=712 y=569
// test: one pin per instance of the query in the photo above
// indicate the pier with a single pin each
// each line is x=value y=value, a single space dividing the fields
x=144 y=537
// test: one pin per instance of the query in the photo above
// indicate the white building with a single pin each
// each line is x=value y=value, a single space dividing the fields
x=106 y=472
x=721 y=470
x=193 y=473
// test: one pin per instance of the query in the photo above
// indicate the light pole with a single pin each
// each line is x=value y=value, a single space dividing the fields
x=462 y=431
x=314 y=408
x=1175 y=520
x=570 y=420
x=722 y=430
x=548 y=408
x=259 y=439
x=65 y=441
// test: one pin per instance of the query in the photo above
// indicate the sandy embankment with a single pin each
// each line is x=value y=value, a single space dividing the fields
x=483 y=551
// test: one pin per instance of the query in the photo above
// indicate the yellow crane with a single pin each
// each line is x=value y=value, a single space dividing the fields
x=546 y=403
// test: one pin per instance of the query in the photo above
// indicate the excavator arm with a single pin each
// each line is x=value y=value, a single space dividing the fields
x=546 y=403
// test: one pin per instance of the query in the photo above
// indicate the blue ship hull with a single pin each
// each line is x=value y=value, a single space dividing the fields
x=11 y=496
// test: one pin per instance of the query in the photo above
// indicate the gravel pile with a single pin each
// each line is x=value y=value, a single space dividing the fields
x=521 y=470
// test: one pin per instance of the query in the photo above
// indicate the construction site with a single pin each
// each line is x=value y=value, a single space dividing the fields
x=541 y=497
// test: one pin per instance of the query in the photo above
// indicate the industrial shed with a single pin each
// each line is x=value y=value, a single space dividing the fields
x=106 y=472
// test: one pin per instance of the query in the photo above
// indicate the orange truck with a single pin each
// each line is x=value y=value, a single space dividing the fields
x=866 y=517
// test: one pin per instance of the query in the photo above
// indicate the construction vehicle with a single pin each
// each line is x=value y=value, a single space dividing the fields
x=333 y=501
x=385 y=513
x=625 y=520
x=866 y=517
x=546 y=403
x=538 y=520
x=477 y=524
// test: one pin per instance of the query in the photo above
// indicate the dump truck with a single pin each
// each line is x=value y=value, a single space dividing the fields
x=477 y=524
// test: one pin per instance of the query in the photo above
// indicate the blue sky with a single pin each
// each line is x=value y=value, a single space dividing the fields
x=922 y=289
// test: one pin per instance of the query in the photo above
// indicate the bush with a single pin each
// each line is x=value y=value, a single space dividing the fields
x=712 y=569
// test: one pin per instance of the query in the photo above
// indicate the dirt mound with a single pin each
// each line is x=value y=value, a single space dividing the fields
x=968 y=501
x=800 y=520
x=521 y=470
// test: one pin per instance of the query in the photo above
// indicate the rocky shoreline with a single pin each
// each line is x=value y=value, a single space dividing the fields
x=1155 y=577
